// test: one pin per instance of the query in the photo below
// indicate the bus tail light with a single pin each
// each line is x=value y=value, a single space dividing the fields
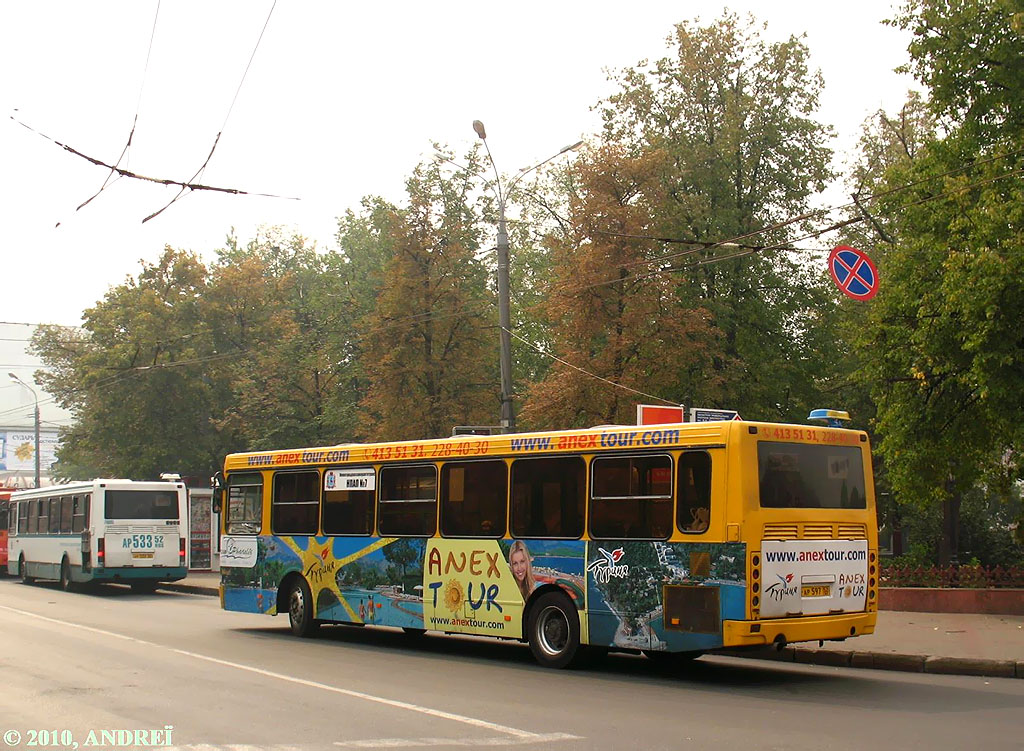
x=873 y=581
x=755 y=585
x=181 y=552
x=101 y=551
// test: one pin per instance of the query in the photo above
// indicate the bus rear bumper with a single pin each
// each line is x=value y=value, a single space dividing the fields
x=156 y=573
x=806 y=628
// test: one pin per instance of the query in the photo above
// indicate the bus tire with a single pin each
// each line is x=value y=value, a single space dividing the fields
x=23 y=571
x=300 y=609
x=65 y=575
x=553 y=630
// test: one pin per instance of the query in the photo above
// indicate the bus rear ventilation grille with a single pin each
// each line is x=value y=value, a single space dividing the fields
x=853 y=532
x=781 y=532
x=819 y=532
x=814 y=531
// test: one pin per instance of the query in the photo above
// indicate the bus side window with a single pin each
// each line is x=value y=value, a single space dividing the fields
x=54 y=515
x=693 y=491
x=348 y=512
x=65 y=515
x=295 y=505
x=407 y=501
x=473 y=499
x=42 y=516
x=79 y=510
x=548 y=497
x=631 y=497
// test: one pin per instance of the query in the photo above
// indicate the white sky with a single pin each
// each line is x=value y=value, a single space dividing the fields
x=342 y=100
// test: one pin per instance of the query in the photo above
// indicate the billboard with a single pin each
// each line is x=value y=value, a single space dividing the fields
x=656 y=414
x=18 y=449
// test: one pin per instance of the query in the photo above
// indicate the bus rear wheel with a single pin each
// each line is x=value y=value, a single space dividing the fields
x=65 y=576
x=300 y=609
x=554 y=631
x=23 y=571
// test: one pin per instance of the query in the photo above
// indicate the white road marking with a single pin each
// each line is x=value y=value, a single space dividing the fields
x=523 y=736
x=500 y=740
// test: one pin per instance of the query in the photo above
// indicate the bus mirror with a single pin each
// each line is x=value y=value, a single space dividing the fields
x=217 y=482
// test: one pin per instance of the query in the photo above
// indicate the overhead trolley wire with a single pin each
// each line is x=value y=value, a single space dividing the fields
x=216 y=140
x=138 y=107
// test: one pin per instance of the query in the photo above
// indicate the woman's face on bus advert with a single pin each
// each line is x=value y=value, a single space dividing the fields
x=519 y=565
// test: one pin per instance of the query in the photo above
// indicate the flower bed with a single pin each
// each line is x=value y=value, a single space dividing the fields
x=954 y=577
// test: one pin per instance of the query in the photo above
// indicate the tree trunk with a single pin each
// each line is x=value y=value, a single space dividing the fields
x=949 y=543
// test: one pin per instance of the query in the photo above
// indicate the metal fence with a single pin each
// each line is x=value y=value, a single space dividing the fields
x=963 y=577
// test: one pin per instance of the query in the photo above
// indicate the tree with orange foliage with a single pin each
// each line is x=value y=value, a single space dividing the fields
x=607 y=313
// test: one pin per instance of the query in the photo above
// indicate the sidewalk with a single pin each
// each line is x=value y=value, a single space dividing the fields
x=948 y=643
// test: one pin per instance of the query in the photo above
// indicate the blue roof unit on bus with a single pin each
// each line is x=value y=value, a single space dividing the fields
x=834 y=418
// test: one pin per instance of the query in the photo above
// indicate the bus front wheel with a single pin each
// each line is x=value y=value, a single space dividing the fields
x=23 y=571
x=554 y=631
x=300 y=609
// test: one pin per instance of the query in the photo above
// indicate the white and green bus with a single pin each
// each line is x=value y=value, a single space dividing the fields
x=100 y=531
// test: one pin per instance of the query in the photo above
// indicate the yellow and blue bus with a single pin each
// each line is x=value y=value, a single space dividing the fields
x=671 y=540
x=100 y=531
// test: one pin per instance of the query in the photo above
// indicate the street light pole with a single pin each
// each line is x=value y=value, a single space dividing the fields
x=508 y=418
x=35 y=396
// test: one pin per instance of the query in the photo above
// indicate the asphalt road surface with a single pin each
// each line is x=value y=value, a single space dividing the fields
x=113 y=669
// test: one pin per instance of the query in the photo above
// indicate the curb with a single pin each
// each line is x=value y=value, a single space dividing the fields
x=193 y=589
x=887 y=661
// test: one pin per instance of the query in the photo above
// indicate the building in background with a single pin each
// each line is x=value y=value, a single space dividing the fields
x=17 y=412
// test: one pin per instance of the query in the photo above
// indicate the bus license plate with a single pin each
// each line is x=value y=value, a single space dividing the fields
x=142 y=554
x=815 y=590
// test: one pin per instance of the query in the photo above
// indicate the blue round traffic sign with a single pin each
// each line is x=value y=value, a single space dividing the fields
x=853 y=272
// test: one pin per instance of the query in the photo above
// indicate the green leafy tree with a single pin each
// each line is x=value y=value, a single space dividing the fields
x=424 y=350
x=970 y=56
x=946 y=354
x=605 y=308
x=135 y=377
x=743 y=153
x=278 y=306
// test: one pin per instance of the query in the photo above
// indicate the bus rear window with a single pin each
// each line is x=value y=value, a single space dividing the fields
x=141 y=504
x=800 y=475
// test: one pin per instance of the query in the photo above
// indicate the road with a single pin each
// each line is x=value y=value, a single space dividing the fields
x=113 y=660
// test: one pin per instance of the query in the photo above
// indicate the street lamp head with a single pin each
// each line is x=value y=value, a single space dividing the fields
x=571 y=147
x=13 y=377
x=479 y=128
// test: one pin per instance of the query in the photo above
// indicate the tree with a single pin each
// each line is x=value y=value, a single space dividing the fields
x=275 y=303
x=970 y=56
x=604 y=306
x=946 y=352
x=743 y=153
x=424 y=351
x=134 y=378
x=943 y=348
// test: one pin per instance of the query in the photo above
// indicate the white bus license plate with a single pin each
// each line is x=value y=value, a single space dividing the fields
x=143 y=546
